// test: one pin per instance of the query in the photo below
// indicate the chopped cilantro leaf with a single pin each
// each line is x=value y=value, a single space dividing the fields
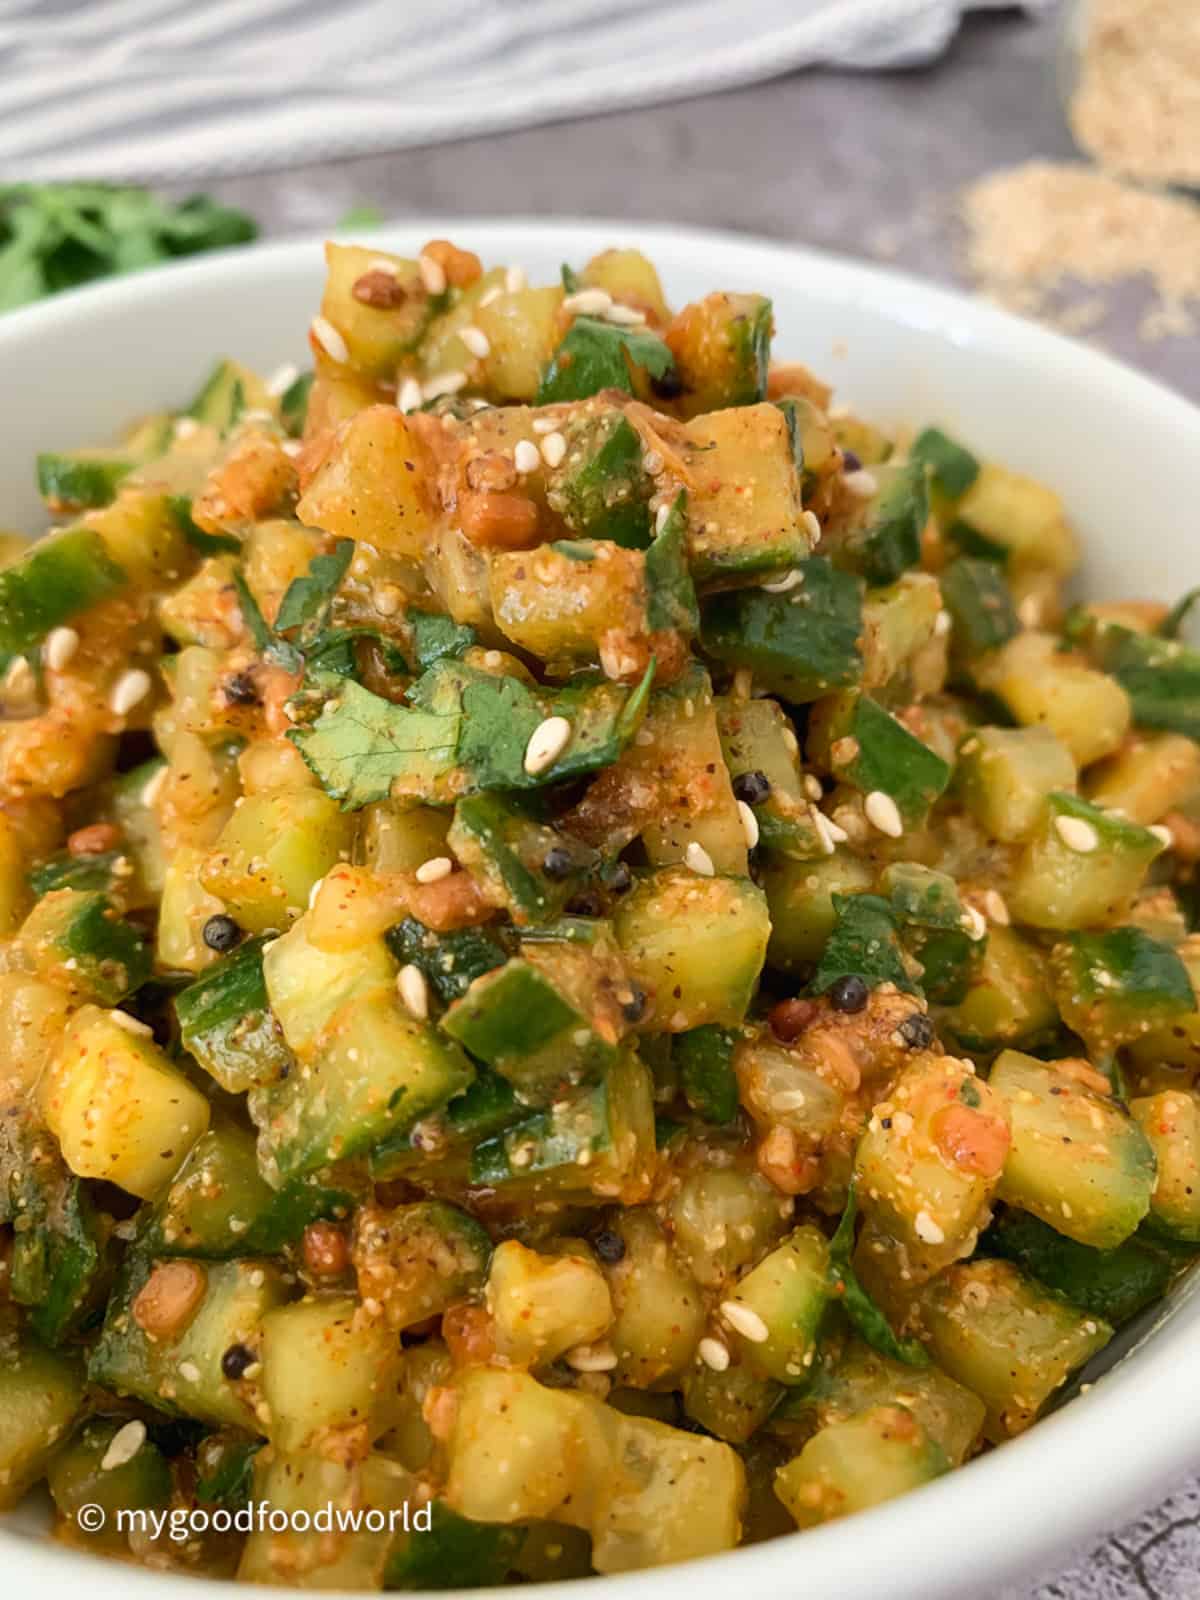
x=865 y=943
x=596 y=355
x=307 y=598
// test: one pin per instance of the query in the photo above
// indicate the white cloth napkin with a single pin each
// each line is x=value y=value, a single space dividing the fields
x=182 y=89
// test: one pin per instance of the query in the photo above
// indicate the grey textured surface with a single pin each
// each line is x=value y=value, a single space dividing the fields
x=868 y=165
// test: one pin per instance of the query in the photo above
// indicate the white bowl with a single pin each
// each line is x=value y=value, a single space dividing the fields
x=1125 y=454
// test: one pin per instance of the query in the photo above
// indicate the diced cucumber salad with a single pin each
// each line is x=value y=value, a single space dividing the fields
x=587 y=941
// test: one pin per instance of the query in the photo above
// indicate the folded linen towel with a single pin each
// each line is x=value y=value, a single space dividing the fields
x=176 y=89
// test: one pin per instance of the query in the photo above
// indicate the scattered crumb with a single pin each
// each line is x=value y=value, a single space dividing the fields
x=1037 y=229
x=1136 y=107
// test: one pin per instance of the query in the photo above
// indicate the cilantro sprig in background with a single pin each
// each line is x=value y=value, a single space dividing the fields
x=60 y=236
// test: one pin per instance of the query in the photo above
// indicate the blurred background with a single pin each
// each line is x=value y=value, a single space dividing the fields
x=1047 y=155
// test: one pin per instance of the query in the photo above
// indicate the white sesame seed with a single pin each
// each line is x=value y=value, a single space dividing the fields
x=1162 y=833
x=824 y=831
x=587 y=303
x=433 y=275
x=1077 y=834
x=591 y=1358
x=291 y=447
x=714 y=1354
x=653 y=462
x=414 y=991
x=836 y=832
x=314 y=892
x=542 y=425
x=185 y=428
x=434 y=870
x=996 y=908
x=61 y=644
x=382 y=264
x=883 y=813
x=812 y=523
x=387 y=598
x=19 y=681
x=282 y=379
x=812 y=787
x=124 y=1445
x=554 y=448
x=189 y=1371
x=661 y=517
x=130 y=689
x=749 y=824
x=443 y=383
x=546 y=743
x=698 y=858
x=153 y=787
x=131 y=1024
x=790 y=580
x=526 y=457
x=942 y=624
x=488 y=296
x=515 y=279
x=789 y=1100
x=330 y=340
x=745 y=1321
x=862 y=483
x=408 y=395
x=974 y=923
x=926 y=1228
x=476 y=341
x=625 y=316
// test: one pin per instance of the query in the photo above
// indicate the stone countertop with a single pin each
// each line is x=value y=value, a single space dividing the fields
x=864 y=164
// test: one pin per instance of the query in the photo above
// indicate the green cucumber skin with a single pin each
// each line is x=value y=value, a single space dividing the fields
x=608 y=497
x=113 y=954
x=980 y=605
x=83 y=483
x=450 y=961
x=66 y=574
x=802 y=644
x=1114 y=1284
x=952 y=467
x=705 y=1059
x=225 y=1020
x=514 y=1012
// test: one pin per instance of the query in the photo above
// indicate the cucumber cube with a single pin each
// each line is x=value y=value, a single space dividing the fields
x=1004 y=776
x=79 y=938
x=325 y=1366
x=225 y=1022
x=41 y=1394
x=799 y=644
x=1113 y=987
x=853 y=1465
x=1006 y=1339
x=861 y=744
x=1078 y=1160
x=1081 y=868
x=1171 y=1122
x=121 y=1110
x=775 y=1311
x=271 y=852
x=182 y=1375
x=377 y=1070
x=695 y=944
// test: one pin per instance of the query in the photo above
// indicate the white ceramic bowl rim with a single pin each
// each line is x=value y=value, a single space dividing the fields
x=1103 y=1456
